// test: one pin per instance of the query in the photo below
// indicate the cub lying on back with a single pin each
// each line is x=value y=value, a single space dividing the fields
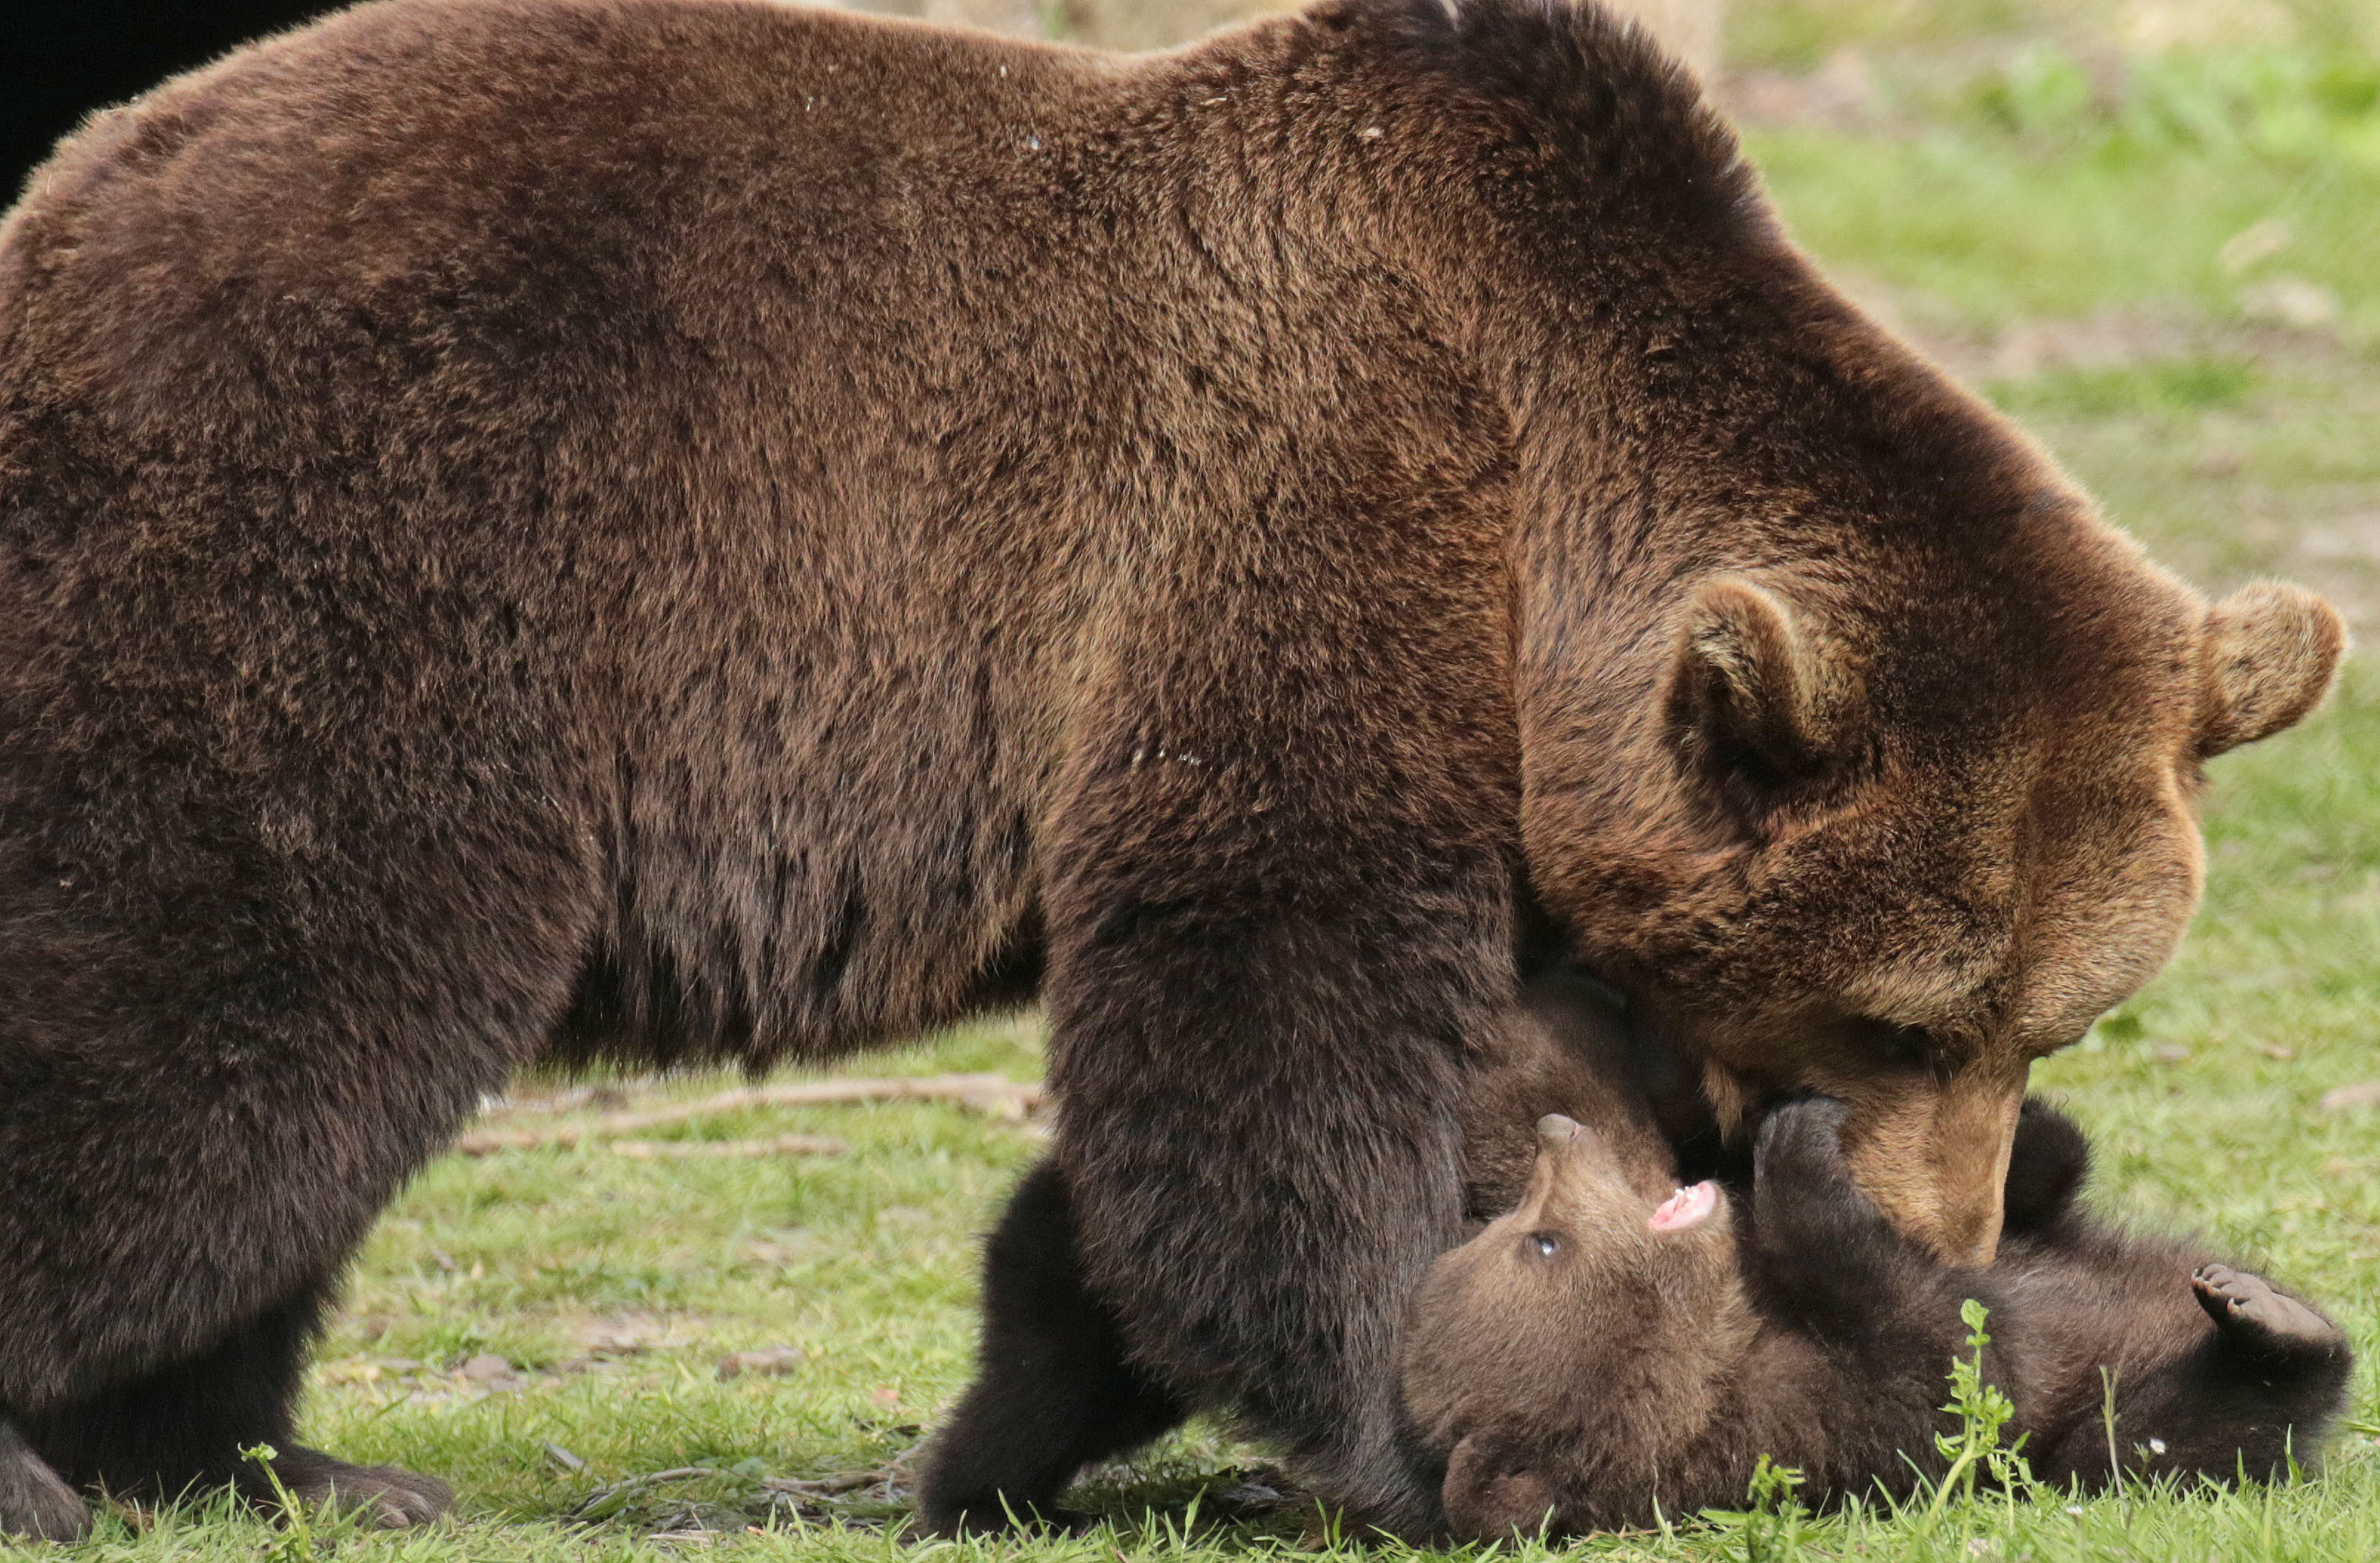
x=1608 y=1345
x=1597 y=1353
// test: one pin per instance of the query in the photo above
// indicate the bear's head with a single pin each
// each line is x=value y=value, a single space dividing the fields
x=1586 y=1308
x=1888 y=820
x=1855 y=748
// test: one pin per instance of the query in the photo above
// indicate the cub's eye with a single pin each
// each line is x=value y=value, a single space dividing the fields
x=1906 y=1047
x=1543 y=1245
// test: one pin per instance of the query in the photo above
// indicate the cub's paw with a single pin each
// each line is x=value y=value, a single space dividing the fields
x=35 y=1502
x=1817 y=1232
x=391 y=1499
x=1801 y=1143
x=1494 y=1495
x=2254 y=1316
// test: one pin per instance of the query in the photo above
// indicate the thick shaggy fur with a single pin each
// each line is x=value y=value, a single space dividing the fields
x=1583 y=1371
x=697 y=529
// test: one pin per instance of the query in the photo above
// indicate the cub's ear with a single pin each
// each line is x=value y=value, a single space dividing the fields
x=1490 y=1496
x=1752 y=693
x=2272 y=651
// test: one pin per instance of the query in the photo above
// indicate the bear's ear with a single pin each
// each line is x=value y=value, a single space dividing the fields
x=2272 y=651
x=1488 y=1497
x=1755 y=696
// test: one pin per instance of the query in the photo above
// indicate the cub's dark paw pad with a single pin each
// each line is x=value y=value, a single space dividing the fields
x=2257 y=1318
x=1801 y=1141
x=35 y=1502
x=391 y=1499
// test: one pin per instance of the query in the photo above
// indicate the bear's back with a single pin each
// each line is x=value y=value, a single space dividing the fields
x=422 y=169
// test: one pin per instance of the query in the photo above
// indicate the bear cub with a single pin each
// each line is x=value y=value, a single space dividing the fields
x=1598 y=1358
x=1611 y=1343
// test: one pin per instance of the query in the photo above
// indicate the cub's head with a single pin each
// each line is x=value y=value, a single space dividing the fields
x=1889 y=826
x=1530 y=1329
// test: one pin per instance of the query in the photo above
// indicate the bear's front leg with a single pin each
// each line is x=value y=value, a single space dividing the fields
x=1281 y=866
x=1262 y=1173
x=2254 y=1396
x=1257 y=1045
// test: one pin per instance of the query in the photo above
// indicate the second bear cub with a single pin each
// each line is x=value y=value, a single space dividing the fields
x=1598 y=1357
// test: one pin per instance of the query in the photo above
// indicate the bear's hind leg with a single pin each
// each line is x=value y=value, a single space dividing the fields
x=183 y=1427
x=1053 y=1392
x=2264 y=1392
x=35 y=1502
x=2262 y=1321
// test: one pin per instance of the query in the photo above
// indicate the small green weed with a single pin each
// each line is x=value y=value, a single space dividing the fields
x=1774 y=1526
x=295 y=1542
x=1975 y=1452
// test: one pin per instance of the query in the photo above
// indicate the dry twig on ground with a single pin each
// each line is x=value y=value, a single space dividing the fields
x=992 y=1093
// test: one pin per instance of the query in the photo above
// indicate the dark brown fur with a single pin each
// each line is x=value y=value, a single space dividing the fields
x=1581 y=1371
x=685 y=529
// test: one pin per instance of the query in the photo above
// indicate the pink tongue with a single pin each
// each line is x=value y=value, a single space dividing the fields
x=1687 y=1208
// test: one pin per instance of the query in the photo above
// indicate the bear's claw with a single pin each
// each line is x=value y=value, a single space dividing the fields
x=391 y=1499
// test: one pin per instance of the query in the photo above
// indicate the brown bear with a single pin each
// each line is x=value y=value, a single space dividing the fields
x=702 y=529
x=1598 y=1359
x=1608 y=1326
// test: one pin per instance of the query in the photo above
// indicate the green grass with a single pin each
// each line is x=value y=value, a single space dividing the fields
x=1802 y=34
x=1984 y=230
x=614 y=1286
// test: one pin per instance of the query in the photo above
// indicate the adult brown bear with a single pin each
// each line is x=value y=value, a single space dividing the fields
x=695 y=529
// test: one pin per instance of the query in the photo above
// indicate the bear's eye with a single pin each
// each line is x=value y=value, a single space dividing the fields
x=1888 y=1042
x=1543 y=1245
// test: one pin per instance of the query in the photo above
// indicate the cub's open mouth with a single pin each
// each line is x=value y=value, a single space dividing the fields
x=1685 y=1209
